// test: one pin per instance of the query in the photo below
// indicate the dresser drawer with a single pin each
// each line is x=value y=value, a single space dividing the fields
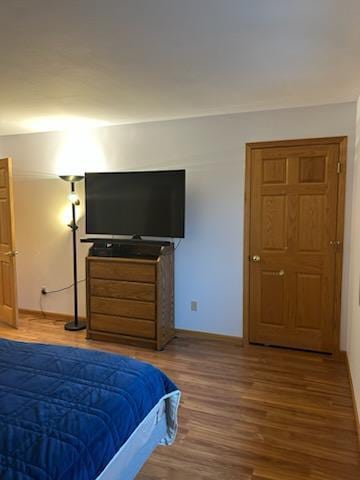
x=134 y=272
x=124 y=326
x=121 y=307
x=122 y=289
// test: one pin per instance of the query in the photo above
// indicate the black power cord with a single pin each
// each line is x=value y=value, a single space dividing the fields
x=44 y=291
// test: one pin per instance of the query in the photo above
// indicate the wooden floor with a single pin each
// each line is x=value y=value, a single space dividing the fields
x=255 y=413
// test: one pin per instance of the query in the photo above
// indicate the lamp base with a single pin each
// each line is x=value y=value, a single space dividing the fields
x=72 y=326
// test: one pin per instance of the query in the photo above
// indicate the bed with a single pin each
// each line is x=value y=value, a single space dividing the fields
x=74 y=414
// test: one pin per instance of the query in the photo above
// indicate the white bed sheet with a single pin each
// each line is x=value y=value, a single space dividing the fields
x=158 y=427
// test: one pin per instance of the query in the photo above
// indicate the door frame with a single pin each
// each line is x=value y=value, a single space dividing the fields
x=15 y=312
x=342 y=145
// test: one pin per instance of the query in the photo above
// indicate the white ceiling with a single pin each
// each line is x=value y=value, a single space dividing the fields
x=119 y=61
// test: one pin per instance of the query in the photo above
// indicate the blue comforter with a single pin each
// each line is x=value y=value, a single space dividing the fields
x=65 y=412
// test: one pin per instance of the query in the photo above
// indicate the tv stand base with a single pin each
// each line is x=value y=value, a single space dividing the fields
x=130 y=298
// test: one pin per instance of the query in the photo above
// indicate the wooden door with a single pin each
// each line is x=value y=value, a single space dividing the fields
x=8 y=296
x=295 y=235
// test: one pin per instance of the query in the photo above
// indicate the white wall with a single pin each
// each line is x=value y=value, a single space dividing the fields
x=353 y=293
x=209 y=262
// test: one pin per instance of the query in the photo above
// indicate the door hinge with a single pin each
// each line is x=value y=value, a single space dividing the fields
x=338 y=167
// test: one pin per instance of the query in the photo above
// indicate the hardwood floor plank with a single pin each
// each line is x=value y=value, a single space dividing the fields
x=247 y=413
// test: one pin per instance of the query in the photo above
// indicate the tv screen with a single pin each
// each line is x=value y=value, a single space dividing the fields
x=136 y=203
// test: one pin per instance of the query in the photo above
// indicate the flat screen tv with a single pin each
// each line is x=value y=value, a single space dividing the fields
x=136 y=203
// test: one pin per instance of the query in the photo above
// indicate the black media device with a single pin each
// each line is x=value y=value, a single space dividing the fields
x=131 y=248
x=148 y=203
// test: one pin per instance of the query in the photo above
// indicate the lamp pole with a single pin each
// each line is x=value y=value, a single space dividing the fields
x=74 y=324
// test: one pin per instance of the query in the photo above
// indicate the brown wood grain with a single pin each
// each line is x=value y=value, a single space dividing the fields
x=340 y=236
x=121 y=307
x=100 y=335
x=209 y=336
x=165 y=321
x=66 y=317
x=251 y=413
x=293 y=220
x=121 y=289
x=8 y=283
x=133 y=271
x=127 y=326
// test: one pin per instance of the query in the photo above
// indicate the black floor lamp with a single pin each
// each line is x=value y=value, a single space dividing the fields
x=74 y=199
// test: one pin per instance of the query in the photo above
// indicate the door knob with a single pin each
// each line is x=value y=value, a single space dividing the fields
x=255 y=258
x=12 y=253
x=280 y=273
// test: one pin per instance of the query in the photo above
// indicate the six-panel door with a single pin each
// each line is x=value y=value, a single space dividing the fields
x=293 y=215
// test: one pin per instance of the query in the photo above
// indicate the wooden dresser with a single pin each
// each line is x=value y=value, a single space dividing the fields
x=131 y=300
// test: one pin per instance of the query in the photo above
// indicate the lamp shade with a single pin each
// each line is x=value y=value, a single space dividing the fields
x=71 y=178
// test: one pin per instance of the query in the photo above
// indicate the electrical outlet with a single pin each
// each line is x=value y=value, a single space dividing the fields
x=43 y=290
x=194 y=306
